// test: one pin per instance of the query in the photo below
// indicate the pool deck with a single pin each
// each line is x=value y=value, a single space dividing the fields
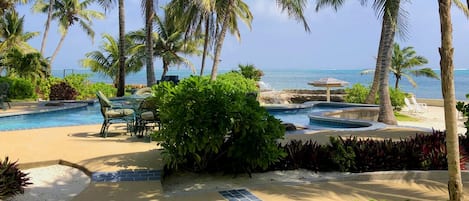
x=82 y=147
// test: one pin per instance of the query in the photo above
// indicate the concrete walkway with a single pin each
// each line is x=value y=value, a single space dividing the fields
x=83 y=148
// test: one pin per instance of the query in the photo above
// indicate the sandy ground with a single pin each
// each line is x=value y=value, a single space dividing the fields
x=63 y=183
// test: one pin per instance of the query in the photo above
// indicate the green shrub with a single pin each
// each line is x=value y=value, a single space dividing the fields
x=215 y=125
x=356 y=94
x=45 y=84
x=81 y=84
x=397 y=97
x=12 y=180
x=20 y=88
x=107 y=90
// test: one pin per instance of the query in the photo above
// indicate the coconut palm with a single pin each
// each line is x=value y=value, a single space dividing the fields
x=8 y=5
x=107 y=60
x=68 y=13
x=391 y=14
x=403 y=60
x=106 y=4
x=47 y=25
x=149 y=9
x=29 y=65
x=12 y=33
x=169 y=44
x=209 y=15
x=455 y=186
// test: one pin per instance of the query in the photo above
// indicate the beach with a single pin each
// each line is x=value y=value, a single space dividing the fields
x=81 y=146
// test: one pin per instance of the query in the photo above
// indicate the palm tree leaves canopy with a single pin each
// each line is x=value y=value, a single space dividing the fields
x=12 y=33
x=106 y=61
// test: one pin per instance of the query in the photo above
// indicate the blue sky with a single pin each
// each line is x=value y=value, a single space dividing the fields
x=346 y=39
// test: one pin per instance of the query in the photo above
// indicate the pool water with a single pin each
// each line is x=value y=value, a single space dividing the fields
x=300 y=116
x=70 y=117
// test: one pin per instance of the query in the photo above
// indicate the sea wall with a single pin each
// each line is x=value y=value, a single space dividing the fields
x=299 y=96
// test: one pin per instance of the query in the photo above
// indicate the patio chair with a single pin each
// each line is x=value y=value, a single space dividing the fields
x=147 y=117
x=410 y=106
x=4 y=87
x=418 y=106
x=113 y=113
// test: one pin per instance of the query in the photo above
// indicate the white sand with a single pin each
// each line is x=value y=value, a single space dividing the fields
x=53 y=183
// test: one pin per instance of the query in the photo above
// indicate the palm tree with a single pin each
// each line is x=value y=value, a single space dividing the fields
x=455 y=186
x=9 y=5
x=107 y=60
x=148 y=5
x=69 y=12
x=170 y=42
x=12 y=33
x=121 y=80
x=402 y=62
x=390 y=12
x=47 y=25
x=30 y=65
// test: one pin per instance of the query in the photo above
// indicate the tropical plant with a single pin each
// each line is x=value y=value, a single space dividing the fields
x=24 y=65
x=455 y=187
x=9 y=5
x=107 y=60
x=170 y=43
x=106 y=4
x=392 y=17
x=12 y=179
x=403 y=60
x=220 y=127
x=68 y=13
x=149 y=10
x=12 y=33
x=250 y=71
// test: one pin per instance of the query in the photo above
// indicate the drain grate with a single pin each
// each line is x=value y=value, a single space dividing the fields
x=239 y=195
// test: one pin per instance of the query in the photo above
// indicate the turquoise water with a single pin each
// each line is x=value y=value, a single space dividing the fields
x=71 y=117
x=298 y=79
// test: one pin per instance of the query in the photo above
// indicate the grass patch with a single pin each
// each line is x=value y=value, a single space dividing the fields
x=403 y=117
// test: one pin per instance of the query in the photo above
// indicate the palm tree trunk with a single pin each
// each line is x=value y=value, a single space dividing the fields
x=149 y=14
x=54 y=55
x=46 y=32
x=220 y=39
x=396 y=85
x=121 y=79
x=455 y=187
x=386 y=114
x=204 y=56
x=165 y=69
x=371 y=98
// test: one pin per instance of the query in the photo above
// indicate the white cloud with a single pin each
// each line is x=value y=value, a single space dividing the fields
x=267 y=9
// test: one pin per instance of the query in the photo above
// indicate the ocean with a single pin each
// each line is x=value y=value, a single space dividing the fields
x=279 y=79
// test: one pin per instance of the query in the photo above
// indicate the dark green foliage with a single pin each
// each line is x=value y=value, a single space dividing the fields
x=20 y=88
x=12 y=180
x=358 y=94
x=62 y=91
x=250 y=71
x=397 y=97
x=215 y=125
x=342 y=155
x=422 y=152
x=464 y=109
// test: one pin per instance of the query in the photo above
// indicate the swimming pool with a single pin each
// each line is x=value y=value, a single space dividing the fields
x=83 y=115
x=322 y=115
